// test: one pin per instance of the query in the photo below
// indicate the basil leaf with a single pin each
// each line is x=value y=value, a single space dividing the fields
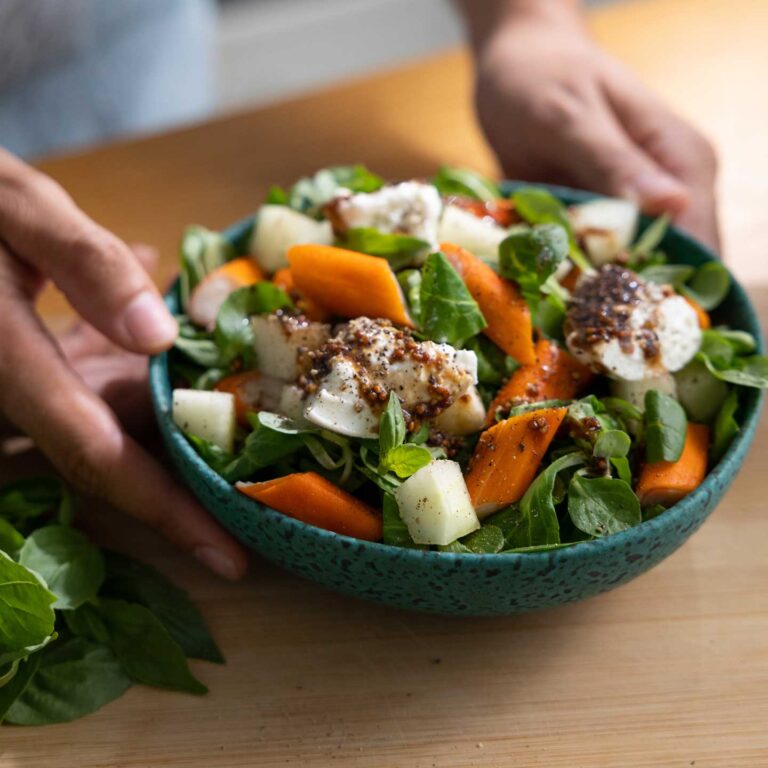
x=621 y=465
x=204 y=352
x=600 y=506
x=493 y=365
x=465 y=183
x=675 y=275
x=612 y=443
x=201 y=251
x=276 y=195
x=726 y=427
x=666 y=426
x=743 y=343
x=12 y=690
x=537 y=515
x=26 y=615
x=11 y=541
x=23 y=502
x=487 y=540
x=72 y=567
x=709 y=285
x=146 y=651
x=234 y=335
x=448 y=311
x=136 y=582
x=391 y=425
x=539 y=206
x=530 y=257
x=406 y=459
x=75 y=677
x=395 y=531
x=399 y=250
x=213 y=455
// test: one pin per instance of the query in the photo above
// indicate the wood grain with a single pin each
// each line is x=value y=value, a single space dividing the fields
x=670 y=670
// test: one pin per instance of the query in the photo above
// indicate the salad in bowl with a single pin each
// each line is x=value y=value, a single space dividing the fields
x=433 y=364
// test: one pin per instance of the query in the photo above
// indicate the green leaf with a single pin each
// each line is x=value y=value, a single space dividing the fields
x=600 y=506
x=487 y=540
x=72 y=567
x=75 y=677
x=726 y=427
x=11 y=540
x=539 y=206
x=621 y=465
x=395 y=531
x=746 y=371
x=213 y=455
x=665 y=427
x=136 y=582
x=10 y=692
x=311 y=193
x=399 y=250
x=675 y=275
x=144 y=647
x=465 y=183
x=538 y=516
x=493 y=365
x=264 y=447
x=204 y=352
x=201 y=251
x=406 y=459
x=612 y=443
x=234 y=335
x=651 y=238
x=448 y=311
x=741 y=342
x=276 y=195
x=531 y=256
x=709 y=285
x=391 y=425
x=24 y=502
x=26 y=613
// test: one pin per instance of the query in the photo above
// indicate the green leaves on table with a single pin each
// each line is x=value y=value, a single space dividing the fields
x=665 y=427
x=71 y=566
x=77 y=628
x=448 y=313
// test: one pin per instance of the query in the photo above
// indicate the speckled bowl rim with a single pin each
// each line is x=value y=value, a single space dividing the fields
x=726 y=468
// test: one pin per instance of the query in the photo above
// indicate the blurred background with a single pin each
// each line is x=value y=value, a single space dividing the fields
x=98 y=70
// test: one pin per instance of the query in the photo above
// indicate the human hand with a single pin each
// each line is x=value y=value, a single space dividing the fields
x=44 y=387
x=556 y=108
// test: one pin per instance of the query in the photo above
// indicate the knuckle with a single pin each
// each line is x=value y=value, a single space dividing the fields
x=561 y=106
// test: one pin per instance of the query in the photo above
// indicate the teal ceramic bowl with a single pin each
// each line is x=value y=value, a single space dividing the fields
x=466 y=584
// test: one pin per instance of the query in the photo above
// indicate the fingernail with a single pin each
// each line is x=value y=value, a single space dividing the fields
x=656 y=190
x=149 y=323
x=218 y=562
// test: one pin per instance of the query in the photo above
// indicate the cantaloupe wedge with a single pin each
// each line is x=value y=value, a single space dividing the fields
x=213 y=290
x=507 y=457
x=348 y=283
x=504 y=309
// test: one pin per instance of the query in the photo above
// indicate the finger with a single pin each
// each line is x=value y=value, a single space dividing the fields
x=84 y=440
x=596 y=151
x=98 y=273
x=675 y=145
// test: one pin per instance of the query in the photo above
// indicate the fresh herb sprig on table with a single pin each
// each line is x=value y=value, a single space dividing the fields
x=80 y=625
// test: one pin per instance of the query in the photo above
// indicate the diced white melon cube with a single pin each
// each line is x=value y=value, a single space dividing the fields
x=434 y=504
x=208 y=415
x=278 y=228
x=464 y=416
x=277 y=340
x=478 y=236
x=634 y=391
x=607 y=227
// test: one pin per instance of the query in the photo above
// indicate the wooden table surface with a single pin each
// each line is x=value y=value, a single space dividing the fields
x=670 y=670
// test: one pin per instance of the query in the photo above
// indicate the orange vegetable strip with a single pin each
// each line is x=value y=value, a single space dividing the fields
x=504 y=309
x=666 y=482
x=348 y=283
x=507 y=457
x=311 y=498
x=701 y=313
x=556 y=375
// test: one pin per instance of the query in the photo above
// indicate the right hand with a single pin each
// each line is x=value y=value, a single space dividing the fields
x=43 y=235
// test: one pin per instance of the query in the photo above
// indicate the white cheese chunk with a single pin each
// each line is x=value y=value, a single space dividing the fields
x=606 y=227
x=479 y=236
x=278 y=340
